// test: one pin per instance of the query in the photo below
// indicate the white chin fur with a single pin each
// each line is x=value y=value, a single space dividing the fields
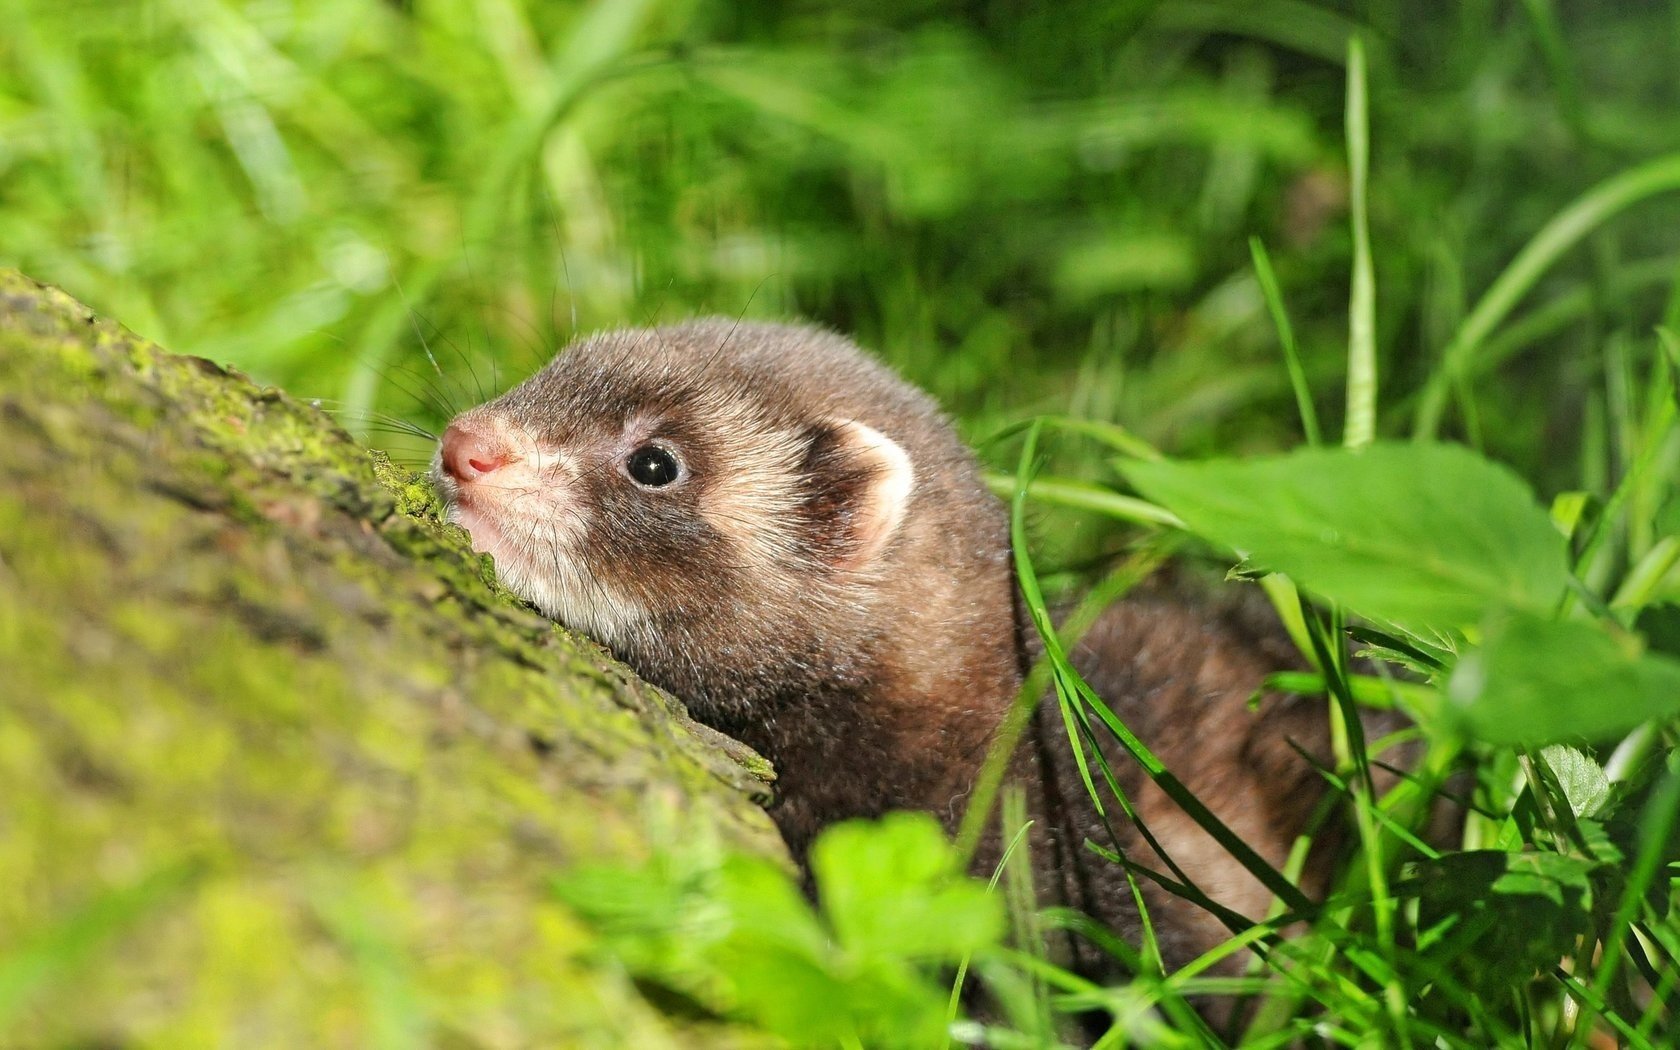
x=553 y=582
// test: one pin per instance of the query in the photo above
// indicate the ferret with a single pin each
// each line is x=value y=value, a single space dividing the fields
x=775 y=528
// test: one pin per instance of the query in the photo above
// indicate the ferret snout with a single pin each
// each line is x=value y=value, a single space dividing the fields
x=468 y=455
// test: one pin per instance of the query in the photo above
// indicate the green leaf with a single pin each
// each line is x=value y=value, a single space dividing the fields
x=1497 y=918
x=893 y=888
x=781 y=969
x=1419 y=535
x=1581 y=778
x=1535 y=681
x=735 y=935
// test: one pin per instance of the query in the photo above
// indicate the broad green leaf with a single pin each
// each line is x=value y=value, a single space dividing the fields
x=1604 y=842
x=1420 y=535
x=1496 y=918
x=1581 y=778
x=894 y=888
x=735 y=934
x=766 y=908
x=1535 y=681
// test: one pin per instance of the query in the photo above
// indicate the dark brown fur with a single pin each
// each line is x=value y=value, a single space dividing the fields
x=876 y=686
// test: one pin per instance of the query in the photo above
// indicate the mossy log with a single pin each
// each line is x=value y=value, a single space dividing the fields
x=279 y=764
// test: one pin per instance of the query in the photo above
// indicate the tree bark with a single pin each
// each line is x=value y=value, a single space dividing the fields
x=280 y=765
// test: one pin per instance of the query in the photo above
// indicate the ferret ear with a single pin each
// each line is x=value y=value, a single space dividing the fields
x=858 y=484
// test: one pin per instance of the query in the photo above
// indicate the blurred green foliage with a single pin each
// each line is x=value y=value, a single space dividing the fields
x=1023 y=206
x=734 y=934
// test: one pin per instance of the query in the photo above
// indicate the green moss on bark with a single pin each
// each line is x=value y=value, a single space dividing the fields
x=281 y=766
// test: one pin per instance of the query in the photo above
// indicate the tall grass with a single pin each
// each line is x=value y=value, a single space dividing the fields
x=298 y=187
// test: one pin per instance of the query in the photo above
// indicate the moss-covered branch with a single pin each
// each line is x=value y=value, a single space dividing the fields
x=279 y=766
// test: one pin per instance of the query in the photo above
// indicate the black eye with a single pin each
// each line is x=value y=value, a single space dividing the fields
x=652 y=467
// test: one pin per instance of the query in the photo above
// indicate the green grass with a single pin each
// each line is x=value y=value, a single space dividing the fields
x=1174 y=229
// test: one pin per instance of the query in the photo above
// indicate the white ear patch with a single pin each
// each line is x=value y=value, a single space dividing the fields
x=880 y=507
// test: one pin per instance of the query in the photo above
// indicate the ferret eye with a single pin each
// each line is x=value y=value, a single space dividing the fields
x=652 y=467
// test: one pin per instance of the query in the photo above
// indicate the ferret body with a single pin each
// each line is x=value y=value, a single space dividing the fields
x=782 y=533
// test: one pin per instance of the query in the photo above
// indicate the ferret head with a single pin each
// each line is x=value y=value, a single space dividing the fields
x=732 y=508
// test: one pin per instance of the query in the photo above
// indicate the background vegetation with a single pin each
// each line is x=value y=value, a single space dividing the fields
x=1029 y=209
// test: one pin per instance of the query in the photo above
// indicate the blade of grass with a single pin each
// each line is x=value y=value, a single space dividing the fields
x=1161 y=991
x=1595 y=1006
x=1325 y=630
x=1028 y=935
x=1655 y=442
x=1038 y=680
x=954 y=1003
x=1640 y=585
x=1074 y=700
x=1113 y=435
x=1085 y=995
x=1151 y=764
x=1563 y=309
x=1273 y=294
x=1662 y=997
x=1670 y=343
x=1361 y=426
x=596 y=46
x=1370 y=691
x=1566 y=229
x=1645 y=510
x=1084 y=495
x=1548 y=34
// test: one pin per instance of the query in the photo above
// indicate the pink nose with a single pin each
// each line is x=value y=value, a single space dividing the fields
x=469 y=455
